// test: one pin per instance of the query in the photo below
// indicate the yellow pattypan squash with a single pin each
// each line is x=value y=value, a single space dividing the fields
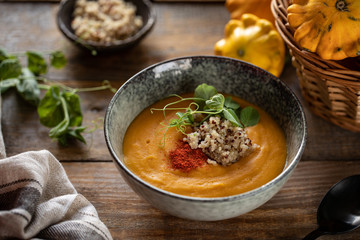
x=331 y=28
x=260 y=8
x=253 y=40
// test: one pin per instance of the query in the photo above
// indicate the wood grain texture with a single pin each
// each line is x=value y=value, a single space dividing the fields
x=290 y=214
x=181 y=29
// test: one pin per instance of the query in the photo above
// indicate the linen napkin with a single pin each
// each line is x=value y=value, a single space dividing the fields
x=37 y=200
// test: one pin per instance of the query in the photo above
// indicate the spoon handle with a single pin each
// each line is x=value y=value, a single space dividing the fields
x=314 y=234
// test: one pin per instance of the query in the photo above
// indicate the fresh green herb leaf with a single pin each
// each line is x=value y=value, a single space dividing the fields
x=69 y=133
x=57 y=59
x=229 y=103
x=249 y=116
x=61 y=111
x=216 y=102
x=75 y=132
x=10 y=68
x=50 y=108
x=174 y=122
x=73 y=108
x=180 y=114
x=63 y=135
x=3 y=55
x=191 y=118
x=8 y=83
x=27 y=87
x=230 y=115
x=204 y=92
x=186 y=118
x=59 y=131
x=36 y=63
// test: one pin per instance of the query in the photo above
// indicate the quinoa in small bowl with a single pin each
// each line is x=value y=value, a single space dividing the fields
x=105 y=25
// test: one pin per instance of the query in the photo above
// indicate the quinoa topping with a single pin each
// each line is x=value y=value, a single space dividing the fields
x=221 y=141
x=105 y=21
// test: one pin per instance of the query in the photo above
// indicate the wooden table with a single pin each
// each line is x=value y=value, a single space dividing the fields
x=181 y=29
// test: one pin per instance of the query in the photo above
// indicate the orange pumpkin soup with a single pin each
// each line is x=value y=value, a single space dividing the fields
x=148 y=159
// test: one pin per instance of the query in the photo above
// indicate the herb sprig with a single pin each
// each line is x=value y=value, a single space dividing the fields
x=208 y=102
x=59 y=108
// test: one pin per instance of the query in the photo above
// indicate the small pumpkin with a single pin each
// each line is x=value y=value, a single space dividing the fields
x=331 y=28
x=253 y=40
x=260 y=8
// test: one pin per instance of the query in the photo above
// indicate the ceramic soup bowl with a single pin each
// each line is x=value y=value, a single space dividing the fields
x=183 y=75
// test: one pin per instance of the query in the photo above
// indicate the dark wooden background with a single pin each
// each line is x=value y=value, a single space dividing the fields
x=181 y=29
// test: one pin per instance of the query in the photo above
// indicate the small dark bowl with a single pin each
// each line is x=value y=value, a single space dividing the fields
x=144 y=9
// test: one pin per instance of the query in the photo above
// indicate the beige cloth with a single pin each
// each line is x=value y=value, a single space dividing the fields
x=37 y=200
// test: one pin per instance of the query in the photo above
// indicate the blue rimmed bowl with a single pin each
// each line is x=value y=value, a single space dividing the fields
x=182 y=75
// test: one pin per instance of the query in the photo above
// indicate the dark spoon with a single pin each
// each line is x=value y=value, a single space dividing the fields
x=339 y=210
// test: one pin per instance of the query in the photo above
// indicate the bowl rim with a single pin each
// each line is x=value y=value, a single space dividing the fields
x=286 y=171
x=137 y=36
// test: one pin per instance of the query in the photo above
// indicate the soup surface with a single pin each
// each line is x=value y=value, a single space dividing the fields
x=148 y=159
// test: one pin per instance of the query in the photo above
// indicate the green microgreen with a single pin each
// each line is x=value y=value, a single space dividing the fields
x=59 y=108
x=80 y=40
x=249 y=116
x=208 y=102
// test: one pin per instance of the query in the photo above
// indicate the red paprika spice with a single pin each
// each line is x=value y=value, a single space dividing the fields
x=185 y=159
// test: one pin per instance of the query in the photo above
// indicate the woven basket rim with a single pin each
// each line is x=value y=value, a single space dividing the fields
x=325 y=68
x=331 y=89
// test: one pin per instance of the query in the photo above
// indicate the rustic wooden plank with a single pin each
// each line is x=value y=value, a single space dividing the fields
x=198 y=25
x=290 y=214
x=181 y=29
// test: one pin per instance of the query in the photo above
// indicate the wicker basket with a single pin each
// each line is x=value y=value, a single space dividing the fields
x=331 y=88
